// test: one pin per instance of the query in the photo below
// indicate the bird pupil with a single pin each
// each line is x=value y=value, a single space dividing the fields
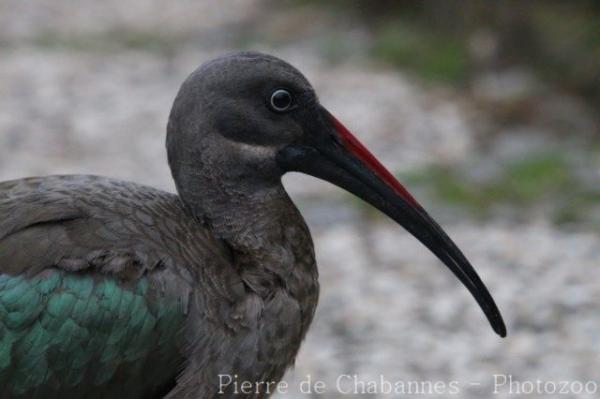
x=281 y=100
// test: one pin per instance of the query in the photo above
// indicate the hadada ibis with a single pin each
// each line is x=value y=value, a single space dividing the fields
x=110 y=289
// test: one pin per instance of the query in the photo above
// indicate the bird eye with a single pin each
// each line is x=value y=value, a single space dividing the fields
x=281 y=100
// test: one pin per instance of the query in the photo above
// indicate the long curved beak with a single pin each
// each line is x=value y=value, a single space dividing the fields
x=335 y=155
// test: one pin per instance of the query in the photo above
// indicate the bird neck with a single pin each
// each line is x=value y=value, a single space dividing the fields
x=270 y=242
x=246 y=215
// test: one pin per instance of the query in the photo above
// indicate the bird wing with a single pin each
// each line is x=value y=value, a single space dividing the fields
x=92 y=291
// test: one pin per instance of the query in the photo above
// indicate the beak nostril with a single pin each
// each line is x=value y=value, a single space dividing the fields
x=336 y=140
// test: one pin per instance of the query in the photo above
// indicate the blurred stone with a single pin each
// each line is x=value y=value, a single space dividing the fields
x=505 y=86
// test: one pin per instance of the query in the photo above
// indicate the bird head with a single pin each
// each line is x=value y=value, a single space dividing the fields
x=254 y=117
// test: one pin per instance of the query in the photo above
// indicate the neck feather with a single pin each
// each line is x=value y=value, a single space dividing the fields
x=244 y=214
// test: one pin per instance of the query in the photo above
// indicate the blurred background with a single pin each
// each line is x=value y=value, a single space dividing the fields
x=487 y=111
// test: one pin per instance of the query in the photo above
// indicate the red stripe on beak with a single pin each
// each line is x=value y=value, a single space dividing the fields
x=361 y=152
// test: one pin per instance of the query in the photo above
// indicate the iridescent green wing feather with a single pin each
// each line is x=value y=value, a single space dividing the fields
x=72 y=333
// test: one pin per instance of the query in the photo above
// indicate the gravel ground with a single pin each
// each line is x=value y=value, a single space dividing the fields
x=387 y=308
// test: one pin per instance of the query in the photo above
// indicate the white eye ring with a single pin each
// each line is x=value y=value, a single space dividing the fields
x=281 y=100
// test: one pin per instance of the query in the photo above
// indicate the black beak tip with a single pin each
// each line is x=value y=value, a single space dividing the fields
x=495 y=319
x=492 y=313
x=500 y=328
